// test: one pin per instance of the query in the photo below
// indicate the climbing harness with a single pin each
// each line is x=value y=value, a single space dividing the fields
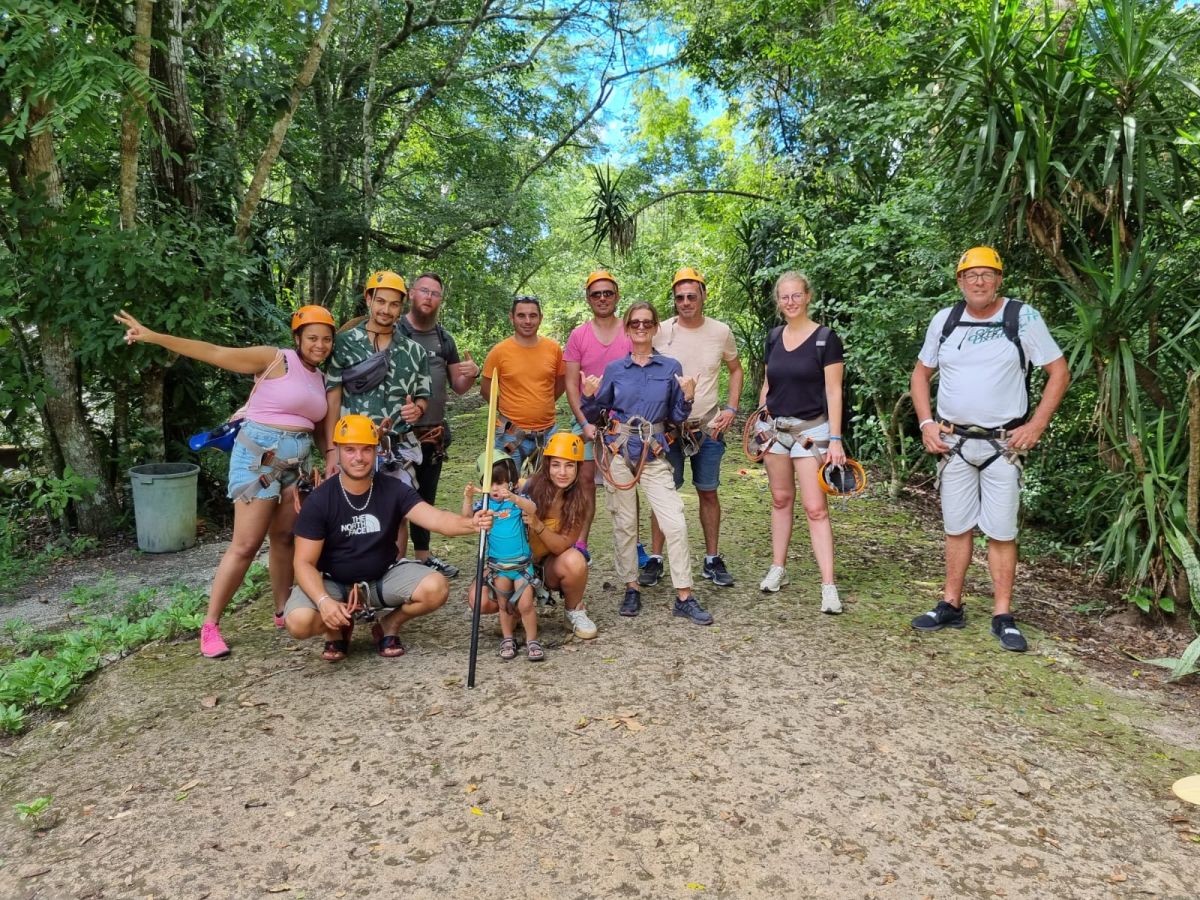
x=522 y=573
x=763 y=431
x=619 y=434
x=513 y=436
x=271 y=468
x=993 y=436
x=435 y=436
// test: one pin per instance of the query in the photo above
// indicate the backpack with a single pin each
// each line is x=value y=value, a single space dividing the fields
x=823 y=332
x=1010 y=323
x=443 y=337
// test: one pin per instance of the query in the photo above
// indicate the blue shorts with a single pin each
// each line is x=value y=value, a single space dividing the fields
x=589 y=448
x=527 y=448
x=706 y=464
x=246 y=466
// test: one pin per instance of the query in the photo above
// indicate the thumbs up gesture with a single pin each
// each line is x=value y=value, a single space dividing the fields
x=466 y=369
x=411 y=411
x=591 y=384
x=687 y=384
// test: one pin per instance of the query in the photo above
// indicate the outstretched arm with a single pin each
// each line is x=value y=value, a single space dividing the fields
x=243 y=360
x=445 y=522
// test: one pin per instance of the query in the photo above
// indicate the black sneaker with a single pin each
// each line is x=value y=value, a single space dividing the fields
x=1004 y=627
x=632 y=604
x=716 y=572
x=690 y=608
x=941 y=616
x=651 y=572
x=442 y=566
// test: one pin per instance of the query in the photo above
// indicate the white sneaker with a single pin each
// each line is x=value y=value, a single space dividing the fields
x=830 y=601
x=584 y=628
x=775 y=578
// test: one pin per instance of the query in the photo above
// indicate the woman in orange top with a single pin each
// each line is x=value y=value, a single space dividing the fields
x=562 y=508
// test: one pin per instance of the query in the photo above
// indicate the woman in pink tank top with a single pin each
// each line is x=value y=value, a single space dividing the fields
x=271 y=453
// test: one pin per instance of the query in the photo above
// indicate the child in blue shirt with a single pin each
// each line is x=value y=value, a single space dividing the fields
x=508 y=571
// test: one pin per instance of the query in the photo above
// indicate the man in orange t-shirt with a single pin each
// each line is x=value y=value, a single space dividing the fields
x=532 y=377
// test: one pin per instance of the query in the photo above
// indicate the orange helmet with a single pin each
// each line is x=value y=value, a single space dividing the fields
x=385 y=279
x=312 y=315
x=599 y=275
x=687 y=273
x=847 y=480
x=565 y=445
x=977 y=257
x=355 y=429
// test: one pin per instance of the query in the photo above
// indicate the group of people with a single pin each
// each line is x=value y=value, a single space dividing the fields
x=645 y=396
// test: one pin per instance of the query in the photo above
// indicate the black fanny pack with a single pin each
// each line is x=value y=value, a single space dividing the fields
x=366 y=375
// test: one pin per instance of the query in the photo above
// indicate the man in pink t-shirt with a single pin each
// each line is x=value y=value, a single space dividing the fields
x=591 y=347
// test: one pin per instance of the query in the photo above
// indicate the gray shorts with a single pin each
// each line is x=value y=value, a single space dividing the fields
x=989 y=498
x=798 y=450
x=399 y=583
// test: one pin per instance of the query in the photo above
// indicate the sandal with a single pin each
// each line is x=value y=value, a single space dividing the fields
x=335 y=651
x=389 y=646
x=533 y=648
x=508 y=649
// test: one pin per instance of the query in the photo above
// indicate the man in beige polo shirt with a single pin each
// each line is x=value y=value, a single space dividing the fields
x=701 y=344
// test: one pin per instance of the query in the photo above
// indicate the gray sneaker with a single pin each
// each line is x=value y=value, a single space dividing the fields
x=651 y=572
x=439 y=565
x=716 y=572
x=690 y=608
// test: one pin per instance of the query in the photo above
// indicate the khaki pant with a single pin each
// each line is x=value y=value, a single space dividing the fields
x=658 y=485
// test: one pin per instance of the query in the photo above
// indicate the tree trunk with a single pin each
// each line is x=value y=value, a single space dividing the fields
x=64 y=398
x=176 y=172
x=1193 y=482
x=131 y=128
x=220 y=137
x=154 y=377
x=279 y=130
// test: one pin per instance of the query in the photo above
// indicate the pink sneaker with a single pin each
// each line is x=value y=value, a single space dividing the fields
x=212 y=644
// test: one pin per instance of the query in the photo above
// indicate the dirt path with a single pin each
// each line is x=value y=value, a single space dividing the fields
x=778 y=754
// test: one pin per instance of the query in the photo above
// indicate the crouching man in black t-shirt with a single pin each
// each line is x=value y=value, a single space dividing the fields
x=346 y=551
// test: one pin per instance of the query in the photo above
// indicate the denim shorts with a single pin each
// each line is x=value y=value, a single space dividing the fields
x=245 y=466
x=706 y=464
x=798 y=450
x=527 y=448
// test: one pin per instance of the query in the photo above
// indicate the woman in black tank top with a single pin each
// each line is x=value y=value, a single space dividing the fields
x=803 y=380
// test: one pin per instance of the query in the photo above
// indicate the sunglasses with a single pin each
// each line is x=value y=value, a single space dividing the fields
x=645 y=324
x=602 y=295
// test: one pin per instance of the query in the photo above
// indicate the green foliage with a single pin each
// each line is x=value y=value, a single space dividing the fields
x=33 y=810
x=46 y=677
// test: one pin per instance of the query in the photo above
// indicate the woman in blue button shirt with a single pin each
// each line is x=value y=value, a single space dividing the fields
x=644 y=392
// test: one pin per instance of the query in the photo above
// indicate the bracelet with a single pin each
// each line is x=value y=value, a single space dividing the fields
x=732 y=409
x=322 y=599
x=835 y=437
x=925 y=422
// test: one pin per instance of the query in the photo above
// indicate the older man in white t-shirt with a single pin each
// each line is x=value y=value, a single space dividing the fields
x=982 y=348
x=702 y=345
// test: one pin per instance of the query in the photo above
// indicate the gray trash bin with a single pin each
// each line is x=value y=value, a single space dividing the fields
x=164 y=505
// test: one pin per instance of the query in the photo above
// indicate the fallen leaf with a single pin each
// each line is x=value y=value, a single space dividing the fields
x=376 y=801
x=583 y=722
x=476 y=811
x=187 y=787
x=210 y=701
x=94 y=834
x=696 y=886
x=889 y=878
x=472 y=788
x=279 y=889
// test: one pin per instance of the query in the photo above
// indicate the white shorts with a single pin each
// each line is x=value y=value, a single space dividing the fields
x=797 y=450
x=989 y=498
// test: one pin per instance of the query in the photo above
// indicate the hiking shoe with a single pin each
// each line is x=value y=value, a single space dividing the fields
x=1004 y=627
x=716 y=572
x=212 y=644
x=440 y=565
x=642 y=554
x=691 y=609
x=632 y=604
x=830 y=601
x=775 y=578
x=651 y=572
x=944 y=615
x=582 y=548
x=584 y=628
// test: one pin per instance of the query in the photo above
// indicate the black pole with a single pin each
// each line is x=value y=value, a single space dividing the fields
x=483 y=535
